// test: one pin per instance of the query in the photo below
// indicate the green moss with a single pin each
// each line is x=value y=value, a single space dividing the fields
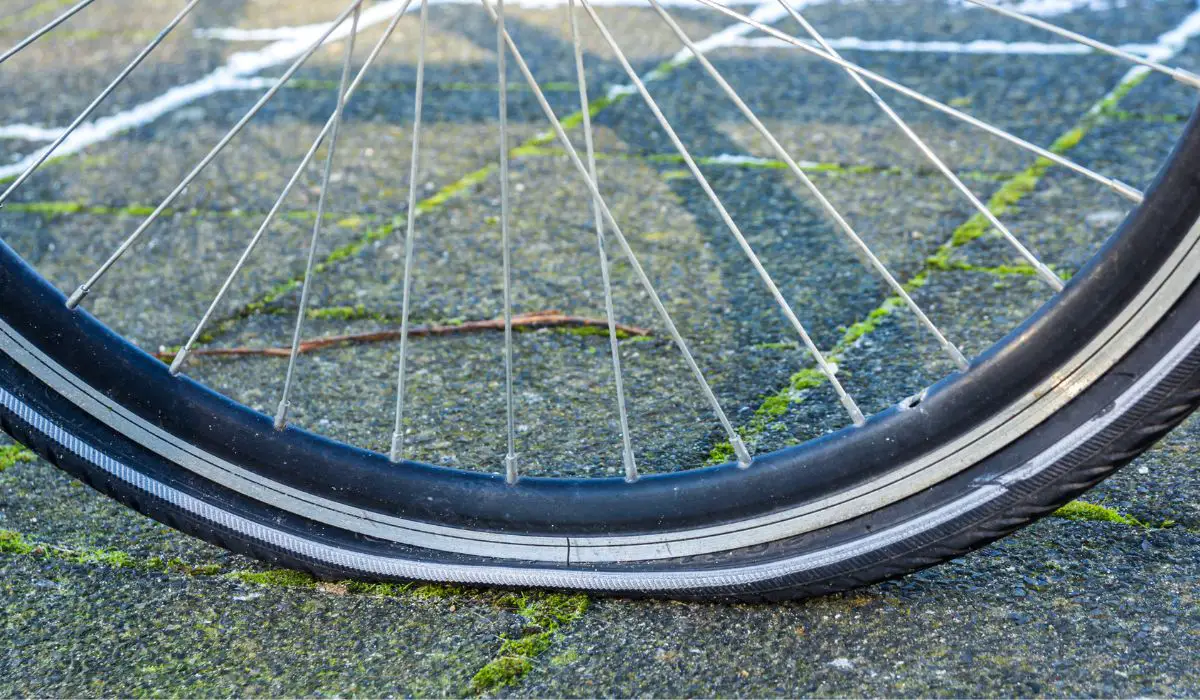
x=194 y=570
x=783 y=345
x=944 y=265
x=774 y=406
x=587 y=331
x=383 y=590
x=499 y=672
x=1092 y=512
x=52 y=208
x=545 y=614
x=344 y=313
x=434 y=591
x=454 y=189
x=575 y=119
x=1124 y=116
x=858 y=330
x=12 y=543
x=104 y=557
x=275 y=577
x=566 y=658
x=11 y=455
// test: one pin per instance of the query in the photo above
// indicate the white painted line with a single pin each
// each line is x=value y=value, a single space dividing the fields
x=234 y=75
x=1164 y=49
x=29 y=132
x=980 y=46
x=768 y=12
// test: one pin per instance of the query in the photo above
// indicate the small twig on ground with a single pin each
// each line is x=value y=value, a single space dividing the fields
x=530 y=321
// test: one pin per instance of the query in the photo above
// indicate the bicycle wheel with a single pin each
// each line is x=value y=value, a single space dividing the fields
x=1097 y=373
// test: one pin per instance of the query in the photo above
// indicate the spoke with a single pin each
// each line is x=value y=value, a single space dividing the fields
x=1043 y=271
x=830 y=210
x=182 y=355
x=510 y=459
x=631 y=473
x=735 y=440
x=45 y=154
x=397 y=452
x=41 y=32
x=84 y=289
x=1127 y=191
x=826 y=368
x=339 y=112
x=1179 y=74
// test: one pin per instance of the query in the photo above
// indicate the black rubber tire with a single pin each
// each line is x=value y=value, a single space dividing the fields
x=1166 y=380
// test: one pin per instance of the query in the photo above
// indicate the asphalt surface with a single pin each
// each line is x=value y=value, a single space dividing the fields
x=98 y=600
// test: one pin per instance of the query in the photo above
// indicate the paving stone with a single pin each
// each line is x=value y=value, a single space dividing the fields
x=159 y=291
x=75 y=63
x=1161 y=486
x=86 y=630
x=47 y=506
x=257 y=165
x=1061 y=609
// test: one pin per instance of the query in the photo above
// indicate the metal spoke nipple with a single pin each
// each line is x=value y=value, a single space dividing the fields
x=631 y=472
x=397 y=451
x=177 y=363
x=1128 y=192
x=739 y=448
x=510 y=469
x=77 y=296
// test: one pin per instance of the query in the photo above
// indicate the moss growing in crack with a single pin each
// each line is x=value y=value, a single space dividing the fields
x=50 y=208
x=575 y=119
x=1118 y=115
x=275 y=577
x=358 y=312
x=545 y=615
x=1020 y=270
x=382 y=590
x=499 y=672
x=11 y=455
x=860 y=329
x=1092 y=512
x=587 y=331
x=454 y=189
x=772 y=408
x=12 y=543
x=434 y=591
x=780 y=345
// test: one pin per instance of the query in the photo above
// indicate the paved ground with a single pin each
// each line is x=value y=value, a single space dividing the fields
x=100 y=601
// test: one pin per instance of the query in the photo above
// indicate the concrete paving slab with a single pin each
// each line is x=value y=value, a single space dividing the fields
x=1062 y=609
x=81 y=630
x=51 y=81
x=189 y=254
